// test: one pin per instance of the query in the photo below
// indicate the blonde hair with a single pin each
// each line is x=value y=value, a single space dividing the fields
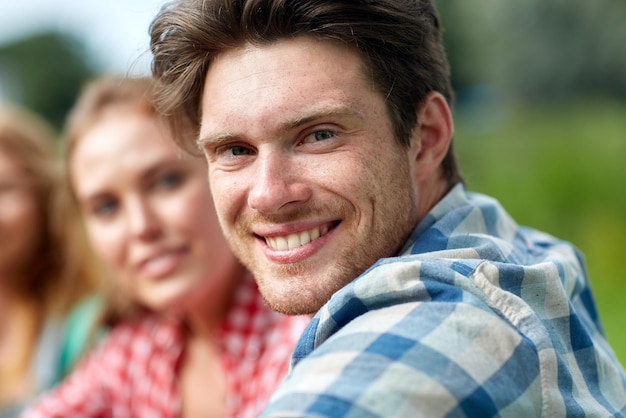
x=59 y=273
x=102 y=95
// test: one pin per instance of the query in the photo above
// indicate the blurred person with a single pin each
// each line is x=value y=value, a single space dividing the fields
x=42 y=270
x=188 y=332
x=327 y=128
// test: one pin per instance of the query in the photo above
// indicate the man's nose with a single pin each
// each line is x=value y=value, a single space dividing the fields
x=276 y=183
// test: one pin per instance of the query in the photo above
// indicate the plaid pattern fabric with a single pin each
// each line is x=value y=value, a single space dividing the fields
x=133 y=373
x=477 y=318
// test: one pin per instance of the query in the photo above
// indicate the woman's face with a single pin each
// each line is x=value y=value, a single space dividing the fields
x=20 y=219
x=149 y=213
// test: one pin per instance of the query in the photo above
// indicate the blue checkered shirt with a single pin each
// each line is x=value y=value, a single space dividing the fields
x=477 y=317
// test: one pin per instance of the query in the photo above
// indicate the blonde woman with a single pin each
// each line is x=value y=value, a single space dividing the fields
x=43 y=271
x=189 y=332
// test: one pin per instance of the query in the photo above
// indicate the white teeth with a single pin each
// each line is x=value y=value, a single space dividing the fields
x=305 y=238
x=292 y=241
x=281 y=243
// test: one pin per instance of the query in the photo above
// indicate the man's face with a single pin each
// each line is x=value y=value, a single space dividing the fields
x=310 y=186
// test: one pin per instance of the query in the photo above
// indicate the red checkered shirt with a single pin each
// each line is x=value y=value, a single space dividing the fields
x=133 y=372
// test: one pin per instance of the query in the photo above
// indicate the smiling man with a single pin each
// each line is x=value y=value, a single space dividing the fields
x=327 y=129
x=304 y=184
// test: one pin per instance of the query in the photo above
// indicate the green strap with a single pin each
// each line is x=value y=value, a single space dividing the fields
x=78 y=330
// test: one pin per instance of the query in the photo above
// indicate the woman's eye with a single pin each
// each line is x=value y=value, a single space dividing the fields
x=104 y=208
x=6 y=187
x=318 y=136
x=169 y=180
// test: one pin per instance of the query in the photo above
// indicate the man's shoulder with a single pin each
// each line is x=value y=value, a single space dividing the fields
x=447 y=339
x=465 y=221
x=426 y=356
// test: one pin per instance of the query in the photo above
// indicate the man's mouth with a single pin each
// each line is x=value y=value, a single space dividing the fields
x=295 y=240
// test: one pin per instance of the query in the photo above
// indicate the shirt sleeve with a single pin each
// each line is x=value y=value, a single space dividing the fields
x=417 y=359
x=81 y=394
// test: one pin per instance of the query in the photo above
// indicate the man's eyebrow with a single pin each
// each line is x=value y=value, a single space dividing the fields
x=334 y=111
x=214 y=139
x=326 y=112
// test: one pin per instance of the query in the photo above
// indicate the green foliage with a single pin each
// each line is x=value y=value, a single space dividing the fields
x=46 y=72
x=538 y=48
x=560 y=168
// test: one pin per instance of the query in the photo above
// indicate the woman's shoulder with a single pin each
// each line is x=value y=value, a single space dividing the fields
x=46 y=355
x=80 y=330
x=144 y=335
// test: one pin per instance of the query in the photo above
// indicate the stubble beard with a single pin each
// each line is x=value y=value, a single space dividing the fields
x=299 y=288
x=302 y=288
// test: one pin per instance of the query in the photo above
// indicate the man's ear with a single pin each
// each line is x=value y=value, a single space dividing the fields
x=432 y=135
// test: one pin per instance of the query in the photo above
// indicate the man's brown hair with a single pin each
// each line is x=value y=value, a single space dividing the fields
x=399 y=42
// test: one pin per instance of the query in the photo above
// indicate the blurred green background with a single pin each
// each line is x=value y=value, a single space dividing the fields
x=540 y=116
x=560 y=168
x=541 y=124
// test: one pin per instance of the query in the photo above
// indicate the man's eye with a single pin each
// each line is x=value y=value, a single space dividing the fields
x=239 y=150
x=318 y=136
x=233 y=150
